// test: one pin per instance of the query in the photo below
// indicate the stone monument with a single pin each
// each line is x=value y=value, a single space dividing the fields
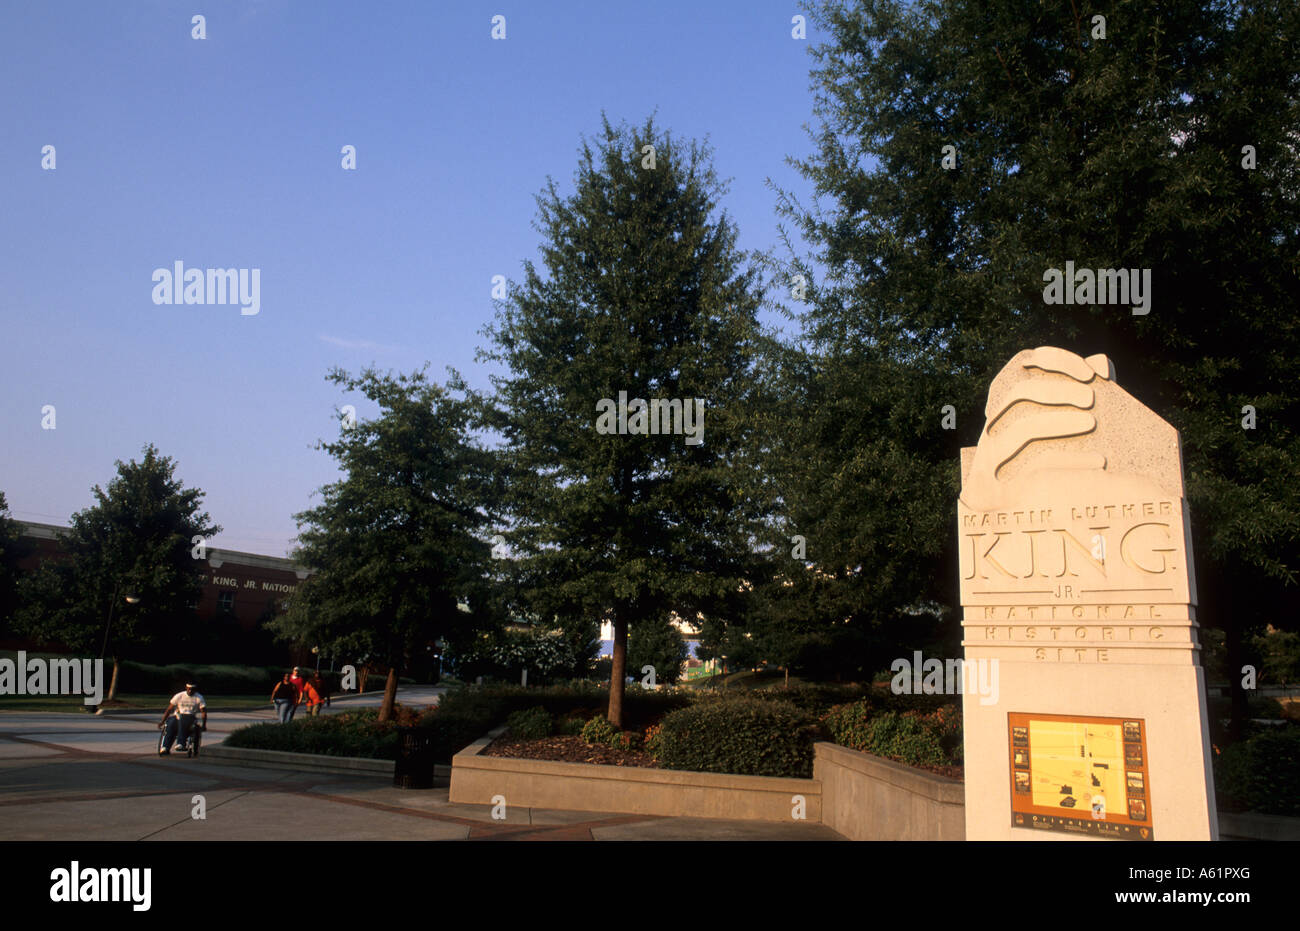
x=1077 y=578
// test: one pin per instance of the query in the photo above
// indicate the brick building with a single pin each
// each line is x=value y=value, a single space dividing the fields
x=240 y=590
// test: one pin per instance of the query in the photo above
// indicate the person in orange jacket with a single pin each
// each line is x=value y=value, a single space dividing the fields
x=311 y=693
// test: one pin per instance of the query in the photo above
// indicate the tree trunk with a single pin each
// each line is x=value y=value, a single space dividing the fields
x=390 y=695
x=618 y=671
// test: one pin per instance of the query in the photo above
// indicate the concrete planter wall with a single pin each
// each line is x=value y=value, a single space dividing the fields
x=475 y=779
x=304 y=762
x=307 y=762
x=867 y=798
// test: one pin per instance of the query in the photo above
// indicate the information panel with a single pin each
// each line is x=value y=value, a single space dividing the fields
x=1080 y=775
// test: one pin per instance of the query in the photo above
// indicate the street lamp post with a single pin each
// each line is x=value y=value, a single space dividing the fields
x=103 y=647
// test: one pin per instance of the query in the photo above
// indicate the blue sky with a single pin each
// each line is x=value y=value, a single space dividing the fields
x=225 y=153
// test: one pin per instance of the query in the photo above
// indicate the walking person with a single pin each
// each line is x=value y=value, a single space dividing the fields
x=296 y=681
x=284 y=696
x=312 y=692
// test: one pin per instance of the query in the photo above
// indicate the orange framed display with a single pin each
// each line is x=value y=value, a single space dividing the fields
x=1080 y=775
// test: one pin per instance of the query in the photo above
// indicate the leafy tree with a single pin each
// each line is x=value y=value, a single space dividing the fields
x=1122 y=151
x=510 y=651
x=644 y=293
x=13 y=548
x=136 y=542
x=1279 y=651
x=396 y=547
x=655 y=642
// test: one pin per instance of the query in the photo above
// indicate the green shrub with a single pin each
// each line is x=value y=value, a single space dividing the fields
x=884 y=700
x=905 y=738
x=599 y=731
x=1268 y=708
x=569 y=727
x=467 y=713
x=474 y=701
x=741 y=736
x=641 y=707
x=532 y=724
x=847 y=725
x=652 y=745
x=946 y=723
x=1261 y=773
x=816 y=699
x=910 y=737
x=452 y=733
x=461 y=718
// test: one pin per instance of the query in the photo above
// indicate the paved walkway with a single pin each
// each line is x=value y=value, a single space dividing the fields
x=84 y=777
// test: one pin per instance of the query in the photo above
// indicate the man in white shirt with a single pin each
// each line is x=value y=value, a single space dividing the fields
x=187 y=705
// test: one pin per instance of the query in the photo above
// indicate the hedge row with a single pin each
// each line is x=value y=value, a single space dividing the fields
x=138 y=678
x=815 y=699
x=352 y=733
x=584 y=700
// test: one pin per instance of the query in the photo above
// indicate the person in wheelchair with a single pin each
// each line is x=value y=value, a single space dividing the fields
x=187 y=705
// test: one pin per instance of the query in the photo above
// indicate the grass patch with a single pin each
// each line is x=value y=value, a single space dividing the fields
x=146 y=678
x=126 y=701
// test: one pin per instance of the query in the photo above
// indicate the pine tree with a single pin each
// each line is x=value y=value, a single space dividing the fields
x=644 y=293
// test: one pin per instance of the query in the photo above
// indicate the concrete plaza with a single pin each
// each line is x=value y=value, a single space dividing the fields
x=80 y=777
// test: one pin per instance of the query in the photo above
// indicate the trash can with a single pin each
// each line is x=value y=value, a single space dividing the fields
x=414 y=769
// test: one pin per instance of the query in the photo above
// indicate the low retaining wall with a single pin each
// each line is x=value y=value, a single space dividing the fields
x=867 y=798
x=475 y=779
x=304 y=762
x=1249 y=825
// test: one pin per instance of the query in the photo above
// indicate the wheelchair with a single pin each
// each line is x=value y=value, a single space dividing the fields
x=172 y=728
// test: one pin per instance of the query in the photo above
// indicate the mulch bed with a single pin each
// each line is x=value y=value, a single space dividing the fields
x=568 y=750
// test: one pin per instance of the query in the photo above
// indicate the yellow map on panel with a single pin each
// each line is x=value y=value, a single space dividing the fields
x=1077 y=767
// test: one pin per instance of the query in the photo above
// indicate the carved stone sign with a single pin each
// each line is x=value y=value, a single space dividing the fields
x=1076 y=575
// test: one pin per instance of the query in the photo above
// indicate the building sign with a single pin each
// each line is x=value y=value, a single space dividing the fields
x=279 y=588
x=1080 y=775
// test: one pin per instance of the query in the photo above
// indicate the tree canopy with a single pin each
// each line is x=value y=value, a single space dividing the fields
x=1163 y=138
x=138 y=539
x=397 y=547
x=644 y=296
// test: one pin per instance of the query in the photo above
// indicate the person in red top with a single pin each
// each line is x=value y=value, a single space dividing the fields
x=297 y=682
